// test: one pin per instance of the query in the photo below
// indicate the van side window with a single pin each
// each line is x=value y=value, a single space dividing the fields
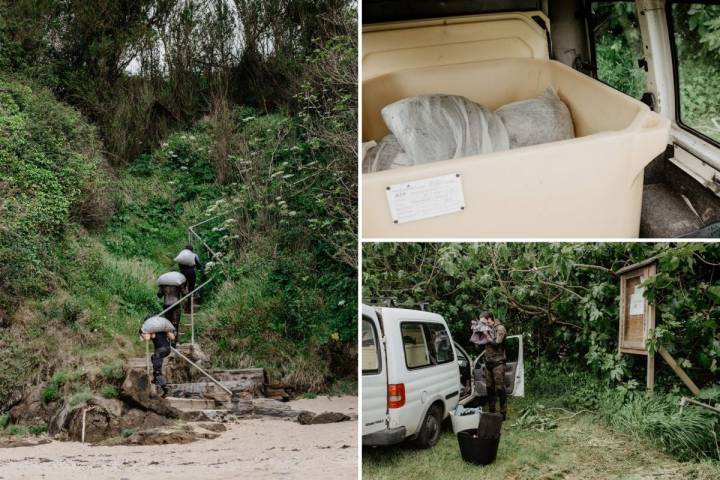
x=426 y=344
x=415 y=345
x=441 y=347
x=370 y=350
x=618 y=46
x=695 y=35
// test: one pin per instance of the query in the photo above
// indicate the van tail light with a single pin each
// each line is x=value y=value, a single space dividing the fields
x=396 y=395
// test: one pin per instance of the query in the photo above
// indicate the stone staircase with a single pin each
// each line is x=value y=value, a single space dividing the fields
x=190 y=391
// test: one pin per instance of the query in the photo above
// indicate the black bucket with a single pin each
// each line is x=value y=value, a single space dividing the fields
x=479 y=446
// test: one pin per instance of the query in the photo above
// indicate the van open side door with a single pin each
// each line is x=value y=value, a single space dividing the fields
x=514 y=373
x=465 y=364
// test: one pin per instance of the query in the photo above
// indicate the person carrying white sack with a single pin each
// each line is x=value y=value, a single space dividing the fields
x=161 y=332
x=171 y=287
x=188 y=261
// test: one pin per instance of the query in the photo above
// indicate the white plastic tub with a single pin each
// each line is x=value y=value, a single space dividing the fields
x=464 y=422
x=589 y=186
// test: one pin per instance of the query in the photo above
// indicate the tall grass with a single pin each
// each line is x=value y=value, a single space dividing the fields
x=656 y=419
x=690 y=434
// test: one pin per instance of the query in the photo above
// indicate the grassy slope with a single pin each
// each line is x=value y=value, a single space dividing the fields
x=580 y=448
x=107 y=284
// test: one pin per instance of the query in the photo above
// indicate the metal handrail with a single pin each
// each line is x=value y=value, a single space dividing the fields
x=216 y=382
x=192 y=307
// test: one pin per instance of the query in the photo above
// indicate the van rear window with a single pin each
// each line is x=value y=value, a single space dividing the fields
x=695 y=29
x=425 y=344
x=370 y=350
x=618 y=46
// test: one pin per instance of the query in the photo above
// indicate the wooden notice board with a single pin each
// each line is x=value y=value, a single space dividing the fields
x=637 y=315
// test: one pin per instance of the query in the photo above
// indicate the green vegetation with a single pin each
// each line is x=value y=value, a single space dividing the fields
x=80 y=395
x=127 y=432
x=113 y=371
x=696 y=29
x=52 y=174
x=656 y=419
x=564 y=299
x=103 y=169
x=38 y=429
x=578 y=448
x=53 y=390
x=17 y=430
x=697 y=39
x=109 y=391
x=557 y=432
x=618 y=47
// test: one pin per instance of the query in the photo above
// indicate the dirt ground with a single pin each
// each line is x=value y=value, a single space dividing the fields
x=258 y=448
x=579 y=449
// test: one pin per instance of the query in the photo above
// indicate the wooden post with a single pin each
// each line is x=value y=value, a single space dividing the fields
x=679 y=371
x=637 y=315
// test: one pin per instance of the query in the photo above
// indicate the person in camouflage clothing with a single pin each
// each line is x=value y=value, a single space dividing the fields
x=495 y=359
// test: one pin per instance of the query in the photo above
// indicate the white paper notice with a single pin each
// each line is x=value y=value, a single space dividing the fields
x=425 y=198
x=637 y=302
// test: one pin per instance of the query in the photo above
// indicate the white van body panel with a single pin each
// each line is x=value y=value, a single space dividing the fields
x=374 y=408
x=425 y=385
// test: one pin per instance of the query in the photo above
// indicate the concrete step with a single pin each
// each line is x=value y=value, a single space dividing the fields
x=256 y=375
x=195 y=404
x=205 y=388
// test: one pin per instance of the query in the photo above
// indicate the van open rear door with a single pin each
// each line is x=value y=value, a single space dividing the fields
x=374 y=374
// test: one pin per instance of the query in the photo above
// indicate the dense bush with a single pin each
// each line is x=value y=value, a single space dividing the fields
x=51 y=173
x=563 y=296
x=138 y=69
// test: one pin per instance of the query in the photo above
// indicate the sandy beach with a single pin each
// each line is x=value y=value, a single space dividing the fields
x=257 y=448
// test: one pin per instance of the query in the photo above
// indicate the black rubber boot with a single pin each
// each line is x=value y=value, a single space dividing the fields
x=160 y=381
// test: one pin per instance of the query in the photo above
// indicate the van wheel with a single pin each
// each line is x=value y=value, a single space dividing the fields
x=430 y=430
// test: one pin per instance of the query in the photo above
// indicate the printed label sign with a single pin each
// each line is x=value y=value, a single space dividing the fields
x=427 y=198
x=637 y=302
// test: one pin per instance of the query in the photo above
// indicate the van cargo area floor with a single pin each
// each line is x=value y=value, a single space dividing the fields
x=675 y=205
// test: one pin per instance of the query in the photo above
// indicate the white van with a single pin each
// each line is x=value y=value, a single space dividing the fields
x=413 y=375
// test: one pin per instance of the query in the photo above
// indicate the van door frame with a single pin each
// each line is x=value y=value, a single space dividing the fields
x=693 y=153
x=377 y=326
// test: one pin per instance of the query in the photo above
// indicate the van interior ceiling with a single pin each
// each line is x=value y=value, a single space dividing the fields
x=682 y=185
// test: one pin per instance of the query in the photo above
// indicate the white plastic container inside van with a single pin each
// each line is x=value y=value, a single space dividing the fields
x=589 y=186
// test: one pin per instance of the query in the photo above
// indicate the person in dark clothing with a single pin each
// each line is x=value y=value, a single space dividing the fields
x=161 y=343
x=495 y=359
x=170 y=294
x=190 y=275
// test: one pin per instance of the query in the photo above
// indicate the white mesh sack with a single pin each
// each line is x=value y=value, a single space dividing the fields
x=157 y=325
x=385 y=155
x=437 y=127
x=186 y=257
x=538 y=120
x=171 y=279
